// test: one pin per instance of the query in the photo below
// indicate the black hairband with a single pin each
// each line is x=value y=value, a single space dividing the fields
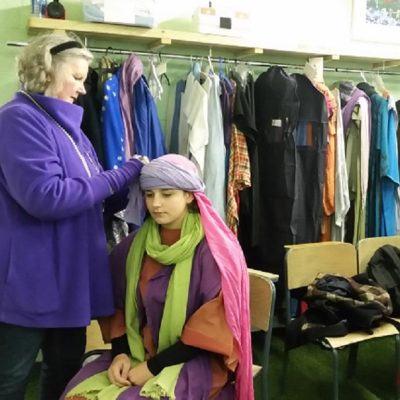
x=65 y=46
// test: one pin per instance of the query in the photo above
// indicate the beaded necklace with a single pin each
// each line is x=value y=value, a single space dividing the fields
x=74 y=145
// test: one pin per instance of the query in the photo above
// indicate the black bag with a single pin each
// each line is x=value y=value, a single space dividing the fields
x=384 y=269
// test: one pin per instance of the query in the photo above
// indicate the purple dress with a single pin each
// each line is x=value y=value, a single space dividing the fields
x=195 y=379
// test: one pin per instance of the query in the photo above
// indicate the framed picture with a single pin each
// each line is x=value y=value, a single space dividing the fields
x=376 y=20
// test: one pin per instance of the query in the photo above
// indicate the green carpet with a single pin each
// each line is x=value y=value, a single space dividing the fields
x=310 y=373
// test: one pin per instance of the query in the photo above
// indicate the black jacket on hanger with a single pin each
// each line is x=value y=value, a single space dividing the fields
x=91 y=104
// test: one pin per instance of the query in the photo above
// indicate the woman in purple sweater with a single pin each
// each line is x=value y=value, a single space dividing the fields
x=54 y=272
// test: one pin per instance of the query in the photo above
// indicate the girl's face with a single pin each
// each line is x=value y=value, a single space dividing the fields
x=68 y=82
x=168 y=207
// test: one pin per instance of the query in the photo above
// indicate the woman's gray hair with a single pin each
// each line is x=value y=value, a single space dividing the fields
x=36 y=66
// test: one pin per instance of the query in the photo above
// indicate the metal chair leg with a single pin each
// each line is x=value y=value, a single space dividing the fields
x=351 y=364
x=264 y=371
x=397 y=355
x=284 y=370
x=335 y=366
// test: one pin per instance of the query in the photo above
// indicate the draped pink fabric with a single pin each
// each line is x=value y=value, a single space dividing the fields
x=235 y=287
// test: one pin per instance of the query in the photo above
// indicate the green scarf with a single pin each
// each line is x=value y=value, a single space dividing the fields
x=180 y=254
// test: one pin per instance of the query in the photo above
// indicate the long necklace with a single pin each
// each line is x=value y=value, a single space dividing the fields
x=74 y=145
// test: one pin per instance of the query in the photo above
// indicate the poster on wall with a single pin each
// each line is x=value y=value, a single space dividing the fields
x=376 y=20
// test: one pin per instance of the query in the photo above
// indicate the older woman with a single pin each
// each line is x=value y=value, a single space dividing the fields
x=54 y=273
x=182 y=327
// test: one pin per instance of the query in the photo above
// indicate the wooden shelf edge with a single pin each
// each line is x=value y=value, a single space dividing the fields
x=144 y=34
x=155 y=39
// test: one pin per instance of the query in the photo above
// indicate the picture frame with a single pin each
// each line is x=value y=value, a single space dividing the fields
x=376 y=21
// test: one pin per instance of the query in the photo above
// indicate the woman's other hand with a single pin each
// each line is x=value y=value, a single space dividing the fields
x=118 y=371
x=140 y=374
x=143 y=159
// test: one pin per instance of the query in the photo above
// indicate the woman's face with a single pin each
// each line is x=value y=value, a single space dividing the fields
x=168 y=207
x=68 y=81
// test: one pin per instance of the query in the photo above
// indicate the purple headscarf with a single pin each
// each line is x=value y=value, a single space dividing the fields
x=173 y=171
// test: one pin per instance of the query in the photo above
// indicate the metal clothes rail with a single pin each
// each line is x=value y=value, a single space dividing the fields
x=189 y=57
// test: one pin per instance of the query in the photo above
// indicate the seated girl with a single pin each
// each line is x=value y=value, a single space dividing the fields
x=182 y=329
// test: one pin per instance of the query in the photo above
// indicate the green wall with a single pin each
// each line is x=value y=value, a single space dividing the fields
x=14 y=15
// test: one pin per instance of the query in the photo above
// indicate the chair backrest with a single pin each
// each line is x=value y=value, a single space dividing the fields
x=367 y=247
x=94 y=339
x=262 y=301
x=304 y=261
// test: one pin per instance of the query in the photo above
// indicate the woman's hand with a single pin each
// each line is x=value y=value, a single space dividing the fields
x=143 y=159
x=140 y=374
x=119 y=369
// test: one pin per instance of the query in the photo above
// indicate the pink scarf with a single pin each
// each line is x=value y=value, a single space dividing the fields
x=235 y=287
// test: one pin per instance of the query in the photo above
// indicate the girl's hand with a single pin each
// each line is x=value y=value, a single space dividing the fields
x=119 y=369
x=140 y=374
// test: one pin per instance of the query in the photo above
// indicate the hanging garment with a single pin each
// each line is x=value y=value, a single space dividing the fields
x=328 y=198
x=228 y=88
x=238 y=178
x=389 y=173
x=174 y=140
x=311 y=139
x=131 y=71
x=214 y=166
x=148 y=134
x=342 y=200
x=356 y=115
x=193 y=127
x=112 y=124
x=276 y=113
x=91 y=124
x=355 y=230
x=244 y=119
x=227 y=102
x=384 y=178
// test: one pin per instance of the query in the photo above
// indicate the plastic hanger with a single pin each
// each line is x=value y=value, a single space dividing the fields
x=196 y=70
x=154 y=83
x=210 y=66
x=162 y=70
x=363 y=77
x=242 y=70
x=221 y=68
x=314 y=69
x=107 y=65
x=378 y=81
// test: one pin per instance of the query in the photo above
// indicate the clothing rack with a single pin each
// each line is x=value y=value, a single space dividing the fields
x=189 y=57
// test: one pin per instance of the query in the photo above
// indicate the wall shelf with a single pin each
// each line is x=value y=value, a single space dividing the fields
x=156 y=40
x=148 y=36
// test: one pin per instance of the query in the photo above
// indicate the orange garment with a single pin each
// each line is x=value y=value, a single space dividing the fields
x=328 y=196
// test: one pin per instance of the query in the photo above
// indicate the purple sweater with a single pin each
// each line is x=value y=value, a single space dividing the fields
x=54 y=268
